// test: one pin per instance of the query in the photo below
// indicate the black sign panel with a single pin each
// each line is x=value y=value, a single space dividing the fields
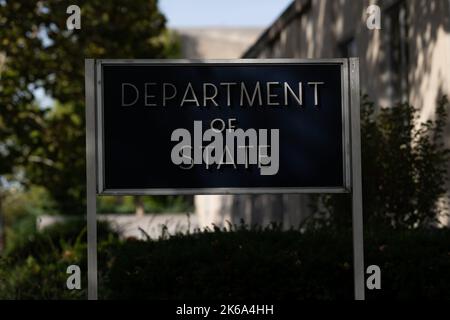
x=222 y=127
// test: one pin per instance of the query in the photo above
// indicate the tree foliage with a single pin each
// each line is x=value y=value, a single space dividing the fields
x=38 y=52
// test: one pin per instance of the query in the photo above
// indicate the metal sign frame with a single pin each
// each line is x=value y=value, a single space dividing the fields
x=346 y=148
x=351 y=152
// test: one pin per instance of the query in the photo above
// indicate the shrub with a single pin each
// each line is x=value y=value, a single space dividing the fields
x=404 y=170
x=242 y=264
x=271 y=264
x=35 y=267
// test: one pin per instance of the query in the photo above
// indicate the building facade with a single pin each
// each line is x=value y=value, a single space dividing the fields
x=216 y=42
x=407 y=59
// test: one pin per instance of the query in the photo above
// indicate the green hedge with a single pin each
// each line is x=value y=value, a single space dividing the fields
x=279 y=265
x=231 y=265
x=415 y=264
x=242 y=264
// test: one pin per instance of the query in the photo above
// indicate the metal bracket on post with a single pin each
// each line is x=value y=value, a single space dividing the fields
x=357 y=208
x=91 y=174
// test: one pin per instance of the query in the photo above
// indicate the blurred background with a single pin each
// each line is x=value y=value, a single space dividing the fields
x=293 y=246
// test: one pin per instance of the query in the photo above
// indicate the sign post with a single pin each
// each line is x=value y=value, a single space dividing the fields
x=91 y=174
x=223 y=127
x=357 y=208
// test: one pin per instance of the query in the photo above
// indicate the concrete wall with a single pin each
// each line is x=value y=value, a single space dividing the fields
x=215 y=42
x=222 y=210
x=135 y=226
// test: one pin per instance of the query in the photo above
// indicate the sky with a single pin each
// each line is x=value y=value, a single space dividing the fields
x=229 y=13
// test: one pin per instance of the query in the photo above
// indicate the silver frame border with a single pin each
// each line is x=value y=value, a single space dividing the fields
x=91 y=178
x=346 y=91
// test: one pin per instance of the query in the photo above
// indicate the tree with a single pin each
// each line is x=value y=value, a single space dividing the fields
x=40 y=53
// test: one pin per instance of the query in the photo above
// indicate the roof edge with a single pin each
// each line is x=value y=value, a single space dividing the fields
x=296 y=8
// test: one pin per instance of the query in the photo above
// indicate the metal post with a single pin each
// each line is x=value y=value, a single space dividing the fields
x=357 y=209
x=91 y=174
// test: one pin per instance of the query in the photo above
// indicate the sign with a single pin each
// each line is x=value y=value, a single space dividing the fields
x=241 y=126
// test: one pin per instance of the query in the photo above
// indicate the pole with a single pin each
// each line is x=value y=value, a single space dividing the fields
x=357 y=209
x=91 y=174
